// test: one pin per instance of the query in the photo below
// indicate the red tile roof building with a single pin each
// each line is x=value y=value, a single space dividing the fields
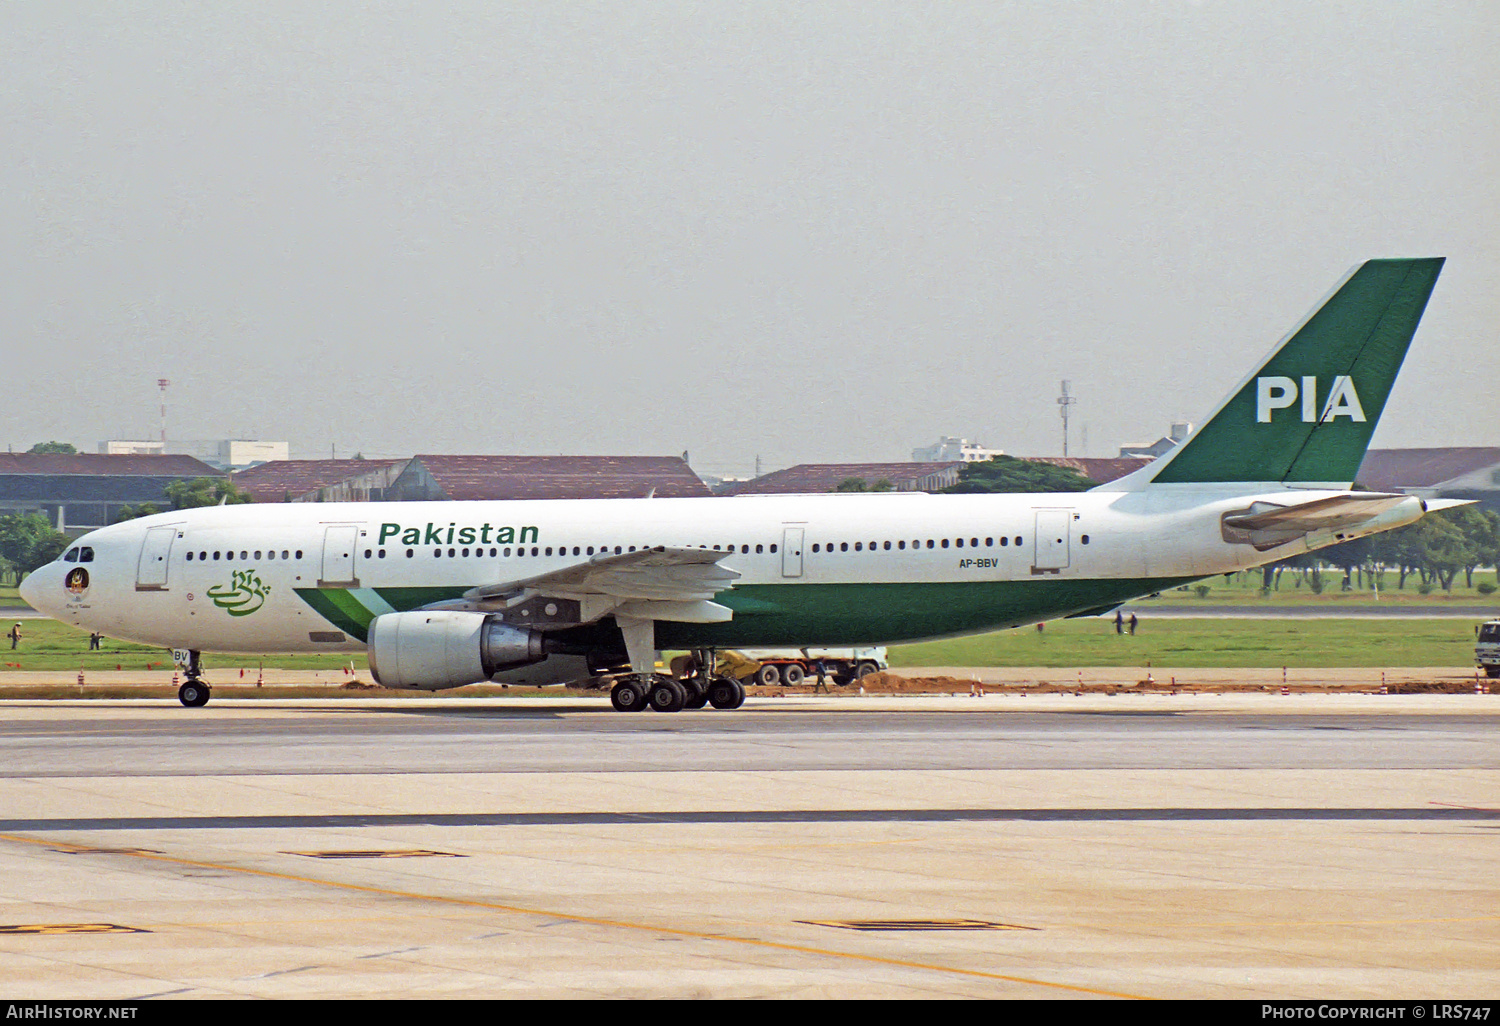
x=546 y=477
x=318 y=480
x=807 y=478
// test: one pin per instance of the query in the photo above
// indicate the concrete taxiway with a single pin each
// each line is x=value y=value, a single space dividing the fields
x=1250 y=846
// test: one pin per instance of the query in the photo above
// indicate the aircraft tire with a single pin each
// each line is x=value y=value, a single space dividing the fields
x=627 y=696
x=1492 y=671
x=697 y=696
x=725 y=693
x=668 y=695
x=193 y=694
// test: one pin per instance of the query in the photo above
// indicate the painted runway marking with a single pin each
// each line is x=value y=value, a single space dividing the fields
x=730 y=816
x=756 y=942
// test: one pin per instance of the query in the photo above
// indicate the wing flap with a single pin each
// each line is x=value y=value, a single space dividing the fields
x=674 y=584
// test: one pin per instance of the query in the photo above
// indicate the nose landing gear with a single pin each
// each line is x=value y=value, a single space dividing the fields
x=194 y=691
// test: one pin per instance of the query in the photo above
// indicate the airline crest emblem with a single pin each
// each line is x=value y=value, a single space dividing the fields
x=1278 y=393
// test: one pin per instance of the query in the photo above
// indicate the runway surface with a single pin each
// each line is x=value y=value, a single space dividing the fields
x=1152 y=846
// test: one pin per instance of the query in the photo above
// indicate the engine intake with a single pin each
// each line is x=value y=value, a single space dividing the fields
x=435 y=649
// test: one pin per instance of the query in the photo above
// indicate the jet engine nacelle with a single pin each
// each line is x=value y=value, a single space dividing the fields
x=436 y=649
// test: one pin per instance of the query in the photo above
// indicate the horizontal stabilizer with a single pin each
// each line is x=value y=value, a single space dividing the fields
x=1433 y=505
x=1266 y=525
x=1322 y=514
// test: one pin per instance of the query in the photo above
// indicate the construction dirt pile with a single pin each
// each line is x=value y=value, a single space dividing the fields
x=895 y=684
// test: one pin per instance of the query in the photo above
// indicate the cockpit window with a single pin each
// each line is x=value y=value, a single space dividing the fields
x=86 y=554
x=71 y=556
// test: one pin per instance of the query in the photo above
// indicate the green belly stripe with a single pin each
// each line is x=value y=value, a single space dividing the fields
x=821 y=614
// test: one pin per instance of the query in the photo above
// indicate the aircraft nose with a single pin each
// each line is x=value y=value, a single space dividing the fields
x=30 y=588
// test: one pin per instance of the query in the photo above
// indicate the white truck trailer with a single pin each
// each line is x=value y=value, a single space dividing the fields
x=1487 y=647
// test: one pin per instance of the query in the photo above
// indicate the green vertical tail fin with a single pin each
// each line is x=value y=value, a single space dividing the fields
x=1307 y=414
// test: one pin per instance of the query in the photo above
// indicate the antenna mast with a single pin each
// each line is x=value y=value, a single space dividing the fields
x=1063 y=402
x=161 y=384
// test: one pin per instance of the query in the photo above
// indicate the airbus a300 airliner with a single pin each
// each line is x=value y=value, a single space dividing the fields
x=443 y=594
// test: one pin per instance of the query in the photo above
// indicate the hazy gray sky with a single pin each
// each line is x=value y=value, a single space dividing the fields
x=809 y=231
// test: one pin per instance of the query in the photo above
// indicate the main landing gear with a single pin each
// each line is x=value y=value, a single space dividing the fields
x=194 y=691
x=696 y=689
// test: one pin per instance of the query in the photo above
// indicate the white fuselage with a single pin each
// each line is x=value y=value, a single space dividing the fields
x=247 y=578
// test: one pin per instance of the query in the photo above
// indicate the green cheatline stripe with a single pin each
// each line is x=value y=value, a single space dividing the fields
x=415 y=598
x=817 y=614
x=339 y=608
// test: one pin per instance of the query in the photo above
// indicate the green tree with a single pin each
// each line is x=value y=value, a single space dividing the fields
x=58 y=448
x=27 y=541
x=1481 y=531
x=1012 y=474
x=205 y=491
x=145 y=509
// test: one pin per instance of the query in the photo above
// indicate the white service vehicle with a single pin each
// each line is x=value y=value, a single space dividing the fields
x=1487 y=647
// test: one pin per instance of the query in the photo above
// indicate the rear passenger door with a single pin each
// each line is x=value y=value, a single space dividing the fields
x=1053 y=536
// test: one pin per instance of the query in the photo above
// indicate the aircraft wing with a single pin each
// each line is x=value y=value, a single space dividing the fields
x=1321 y=514
x=658 y=583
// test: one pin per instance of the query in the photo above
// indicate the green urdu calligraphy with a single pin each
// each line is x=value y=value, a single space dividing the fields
x=245 y=594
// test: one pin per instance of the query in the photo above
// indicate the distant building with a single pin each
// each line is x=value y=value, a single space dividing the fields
x=950 y=449
x=319 y=480
x=132 y=447
x=825 y=477
x=236 y=453
x=1454 y=473
x=545 y=477
x=1151 y=450
x=86 y=491
x=723 y=485
x=223 y=455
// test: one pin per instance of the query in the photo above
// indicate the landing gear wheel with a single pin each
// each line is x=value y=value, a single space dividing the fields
x=627 y=696
x=726 y=693
x=1492 y=671
x=193 y=694
x=697 y=697
x=768 y=675
x=668 y=695
x=792 y=675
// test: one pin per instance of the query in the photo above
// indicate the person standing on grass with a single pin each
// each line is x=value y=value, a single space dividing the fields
x=15 y=636
x=1133 y=622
